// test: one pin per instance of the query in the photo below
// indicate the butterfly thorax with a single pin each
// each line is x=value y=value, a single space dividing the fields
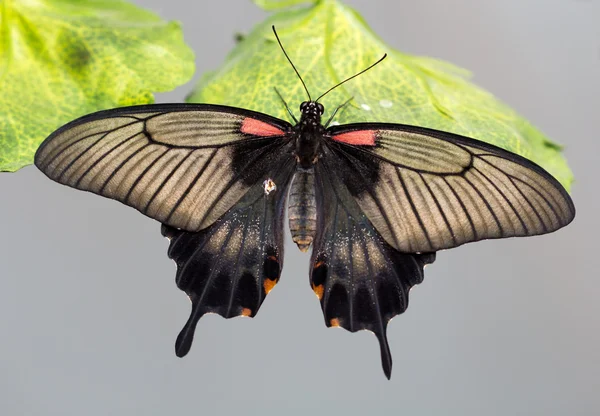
x=309 y=132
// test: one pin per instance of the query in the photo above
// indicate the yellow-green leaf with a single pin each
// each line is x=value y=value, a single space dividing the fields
x=280 y=4
x=328 y=42
x=60 y=59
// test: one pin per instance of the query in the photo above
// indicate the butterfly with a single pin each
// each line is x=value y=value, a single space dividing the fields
x=375 y=201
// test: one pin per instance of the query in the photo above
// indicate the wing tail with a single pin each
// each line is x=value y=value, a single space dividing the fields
x=230 y=267
x=361 y=281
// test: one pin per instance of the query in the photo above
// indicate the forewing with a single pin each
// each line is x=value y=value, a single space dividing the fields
x=427 y=190
x=362 y=282
x=229 y=267
x=184 y=165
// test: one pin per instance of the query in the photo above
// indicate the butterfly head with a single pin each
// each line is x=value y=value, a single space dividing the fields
x=311 y=112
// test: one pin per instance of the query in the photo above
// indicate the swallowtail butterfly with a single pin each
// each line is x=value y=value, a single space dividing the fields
x=374 y=200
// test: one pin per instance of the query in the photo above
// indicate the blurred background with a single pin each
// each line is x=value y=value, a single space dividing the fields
x=90 y=311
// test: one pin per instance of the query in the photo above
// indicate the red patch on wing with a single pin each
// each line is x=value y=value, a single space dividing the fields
x=357 y=138
x=259 y=128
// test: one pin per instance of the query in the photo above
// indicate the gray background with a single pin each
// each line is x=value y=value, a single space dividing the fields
x=89 y=310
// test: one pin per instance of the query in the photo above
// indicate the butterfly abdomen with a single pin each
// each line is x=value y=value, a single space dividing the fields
x=302 y=208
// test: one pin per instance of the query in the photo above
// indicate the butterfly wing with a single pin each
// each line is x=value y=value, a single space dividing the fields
x=426 y=190
x=361 y=281
x=184 y=165
x=229 y=267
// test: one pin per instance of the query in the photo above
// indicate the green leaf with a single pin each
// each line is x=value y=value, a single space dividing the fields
x=328 y=42
x=60 y=59
x=280 y=4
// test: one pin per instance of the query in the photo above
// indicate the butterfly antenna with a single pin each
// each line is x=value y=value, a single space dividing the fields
x=353 y=76
x=291 y=63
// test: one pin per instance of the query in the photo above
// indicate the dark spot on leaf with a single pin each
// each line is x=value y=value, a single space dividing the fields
x=73 y=53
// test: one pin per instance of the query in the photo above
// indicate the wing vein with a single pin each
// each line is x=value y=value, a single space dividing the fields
x=487 y=204
x=235 y=276
x=558 y=217
x=375 y=200
x=513 y=178
x=262 y=239
x=215 y=264
x=76 y=158
x=190 y=185
x=61 y=151
x=464 y=208
x=101 y=158
x=414 y=208
x=144 y=172
x=234 y=179
x=120 y=166
x=439 y=207
x=165 y=180
x=533 y=208
x=508 y=201
x=351 y=273
x=333 y=246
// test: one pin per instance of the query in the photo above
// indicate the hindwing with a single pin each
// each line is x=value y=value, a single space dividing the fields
x=229 y=267
x=361 y=281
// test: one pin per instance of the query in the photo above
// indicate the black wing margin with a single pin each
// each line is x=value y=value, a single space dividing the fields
x=362 y=282
x=229 y=267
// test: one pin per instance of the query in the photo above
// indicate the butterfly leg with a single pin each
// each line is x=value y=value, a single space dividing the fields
x=286 y=106
x=341 y=107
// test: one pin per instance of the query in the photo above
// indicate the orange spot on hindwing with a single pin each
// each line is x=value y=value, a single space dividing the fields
x=334 y=322
x=246 y=312
x=269 y=284
x=318 y=291
x=318 y=277
x=259 y=128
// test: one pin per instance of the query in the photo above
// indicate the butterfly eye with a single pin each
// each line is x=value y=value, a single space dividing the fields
x=303 y=106
x=320 y=108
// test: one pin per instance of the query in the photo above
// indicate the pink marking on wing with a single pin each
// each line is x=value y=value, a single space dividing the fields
x=357 y=138
x=260 y=128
